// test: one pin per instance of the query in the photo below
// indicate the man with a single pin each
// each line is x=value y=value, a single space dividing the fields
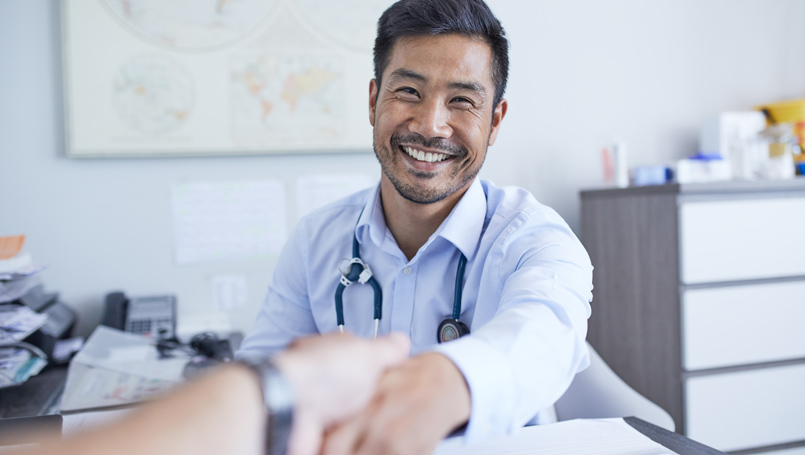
x=436 y=104
x=331 y=377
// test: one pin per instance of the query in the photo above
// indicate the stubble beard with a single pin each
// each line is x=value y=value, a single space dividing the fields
x=389 y=156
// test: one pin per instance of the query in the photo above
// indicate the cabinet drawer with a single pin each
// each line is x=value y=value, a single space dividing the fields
x=740 y=325
x=746 y=409
x=736 y=240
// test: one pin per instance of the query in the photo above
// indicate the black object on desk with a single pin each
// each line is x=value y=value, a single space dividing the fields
x=38 y=395
x=674 y=441
x=60 y=318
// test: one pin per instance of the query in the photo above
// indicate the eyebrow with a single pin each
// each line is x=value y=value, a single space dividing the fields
x=471 y=86
x=402 y=73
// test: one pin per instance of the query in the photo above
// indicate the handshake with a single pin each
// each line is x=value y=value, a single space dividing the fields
x=351 y=396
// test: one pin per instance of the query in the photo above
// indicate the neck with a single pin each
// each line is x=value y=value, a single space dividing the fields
x=411 y=223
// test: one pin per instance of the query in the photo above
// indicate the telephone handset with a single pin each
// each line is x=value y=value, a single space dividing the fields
x=153 y=316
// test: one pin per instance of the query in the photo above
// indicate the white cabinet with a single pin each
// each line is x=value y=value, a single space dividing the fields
x=699 y=304
x=743 y=324
x=746 y=409
x=741 y=238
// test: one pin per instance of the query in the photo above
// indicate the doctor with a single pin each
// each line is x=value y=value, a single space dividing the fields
x=434 y=252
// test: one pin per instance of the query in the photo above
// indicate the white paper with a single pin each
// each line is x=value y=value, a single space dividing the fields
x=13 y=289
x=18 y=322
x=115 y=368
x=63 y=349
x=16 y=263
x=90 y=387
x=573 y=437
x=17 y=365
x=74 y=423
x=317 y=190
x=128 y=353
x=229 y=291
x=228 y=220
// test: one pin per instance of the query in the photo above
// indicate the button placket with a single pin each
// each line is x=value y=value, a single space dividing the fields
x=404 y=292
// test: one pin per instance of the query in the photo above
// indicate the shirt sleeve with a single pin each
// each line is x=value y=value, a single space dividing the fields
x=523 y=359
x=285 y=314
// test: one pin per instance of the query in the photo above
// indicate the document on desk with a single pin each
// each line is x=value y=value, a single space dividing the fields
x=572 y=437
x=116 y=368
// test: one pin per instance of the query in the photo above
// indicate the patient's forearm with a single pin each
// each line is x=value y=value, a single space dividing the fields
x=220 y=413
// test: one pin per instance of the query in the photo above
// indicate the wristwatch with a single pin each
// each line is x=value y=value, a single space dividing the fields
x=279 y=401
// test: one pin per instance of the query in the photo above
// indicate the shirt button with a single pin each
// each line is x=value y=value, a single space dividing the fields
x=407 y=270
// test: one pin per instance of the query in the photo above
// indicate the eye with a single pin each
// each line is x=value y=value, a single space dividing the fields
x=462 y=101
x=408 y=91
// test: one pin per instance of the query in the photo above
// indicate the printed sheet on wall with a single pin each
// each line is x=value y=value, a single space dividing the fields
x=217 y=77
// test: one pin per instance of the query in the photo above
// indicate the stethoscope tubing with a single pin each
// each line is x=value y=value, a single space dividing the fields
x=357 y=268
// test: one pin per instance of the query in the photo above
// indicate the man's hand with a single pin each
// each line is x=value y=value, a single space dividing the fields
x=334 y=376
x=416 y=405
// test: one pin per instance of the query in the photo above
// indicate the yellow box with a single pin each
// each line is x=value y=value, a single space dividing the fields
x=792 y=111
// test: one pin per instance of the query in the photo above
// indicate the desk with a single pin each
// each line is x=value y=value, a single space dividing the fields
x=39 y=395
x=674 y=441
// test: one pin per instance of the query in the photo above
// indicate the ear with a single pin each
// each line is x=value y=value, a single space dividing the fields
x=497 y=118
x=372 y=100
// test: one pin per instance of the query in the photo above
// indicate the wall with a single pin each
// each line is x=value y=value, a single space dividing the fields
x=583 y=73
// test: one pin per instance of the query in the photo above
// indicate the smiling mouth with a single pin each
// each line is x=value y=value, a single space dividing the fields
x=426 y=157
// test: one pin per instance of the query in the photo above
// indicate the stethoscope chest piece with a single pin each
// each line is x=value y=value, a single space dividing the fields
x=355 y=270
x=451 y=329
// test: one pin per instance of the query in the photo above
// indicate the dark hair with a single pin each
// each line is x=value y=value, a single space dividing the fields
x=471 y=18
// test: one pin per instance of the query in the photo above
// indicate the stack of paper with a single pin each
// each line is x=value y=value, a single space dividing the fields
x=17 y=322
x=18 y=272
x=17 y=365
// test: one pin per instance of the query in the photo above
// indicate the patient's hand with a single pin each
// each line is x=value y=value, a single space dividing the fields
x=334 y=377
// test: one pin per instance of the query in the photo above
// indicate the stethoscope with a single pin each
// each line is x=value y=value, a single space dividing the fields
x=359 y=271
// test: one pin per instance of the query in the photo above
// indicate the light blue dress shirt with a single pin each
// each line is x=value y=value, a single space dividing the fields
x=527 y=288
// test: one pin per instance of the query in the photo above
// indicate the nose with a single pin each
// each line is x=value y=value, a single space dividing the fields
x=431 y=119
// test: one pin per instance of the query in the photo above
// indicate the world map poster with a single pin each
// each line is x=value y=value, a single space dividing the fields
x=216 y=77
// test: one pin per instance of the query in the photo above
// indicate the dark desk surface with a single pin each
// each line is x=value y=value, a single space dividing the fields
x=674 y=441
x=37 y=396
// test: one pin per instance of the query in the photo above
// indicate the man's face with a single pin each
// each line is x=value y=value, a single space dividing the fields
x=433 y=115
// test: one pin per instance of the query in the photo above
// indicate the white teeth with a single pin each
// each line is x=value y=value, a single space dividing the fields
x=422 y=156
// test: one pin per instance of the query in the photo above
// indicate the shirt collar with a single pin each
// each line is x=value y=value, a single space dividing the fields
x=372 y=218
x=462 y=227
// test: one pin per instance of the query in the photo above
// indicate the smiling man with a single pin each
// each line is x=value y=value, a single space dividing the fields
x=493 y=287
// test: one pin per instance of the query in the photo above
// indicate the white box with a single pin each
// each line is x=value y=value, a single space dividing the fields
x=720 y=132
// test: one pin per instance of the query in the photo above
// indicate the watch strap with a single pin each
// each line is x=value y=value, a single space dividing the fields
x=278 y=397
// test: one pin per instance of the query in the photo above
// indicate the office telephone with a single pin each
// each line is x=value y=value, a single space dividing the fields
x=153 y=316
